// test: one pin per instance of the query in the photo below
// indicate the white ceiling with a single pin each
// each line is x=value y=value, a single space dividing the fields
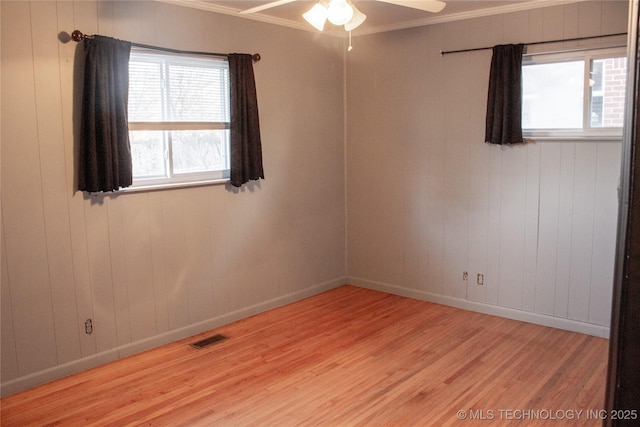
x=380 y=16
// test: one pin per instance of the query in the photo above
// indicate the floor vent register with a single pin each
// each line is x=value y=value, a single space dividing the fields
x=208 y=341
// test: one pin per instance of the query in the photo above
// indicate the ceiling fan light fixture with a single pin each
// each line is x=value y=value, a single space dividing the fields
x=340 y=12
x=357 y=19
x=317 y=16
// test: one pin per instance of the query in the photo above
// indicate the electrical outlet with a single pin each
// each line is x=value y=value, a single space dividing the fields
x=88 y=327
x=480 y=279
x=465 y=275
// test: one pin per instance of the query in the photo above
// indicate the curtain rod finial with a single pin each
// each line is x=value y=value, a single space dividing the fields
x=256 y=57
x=77 y=35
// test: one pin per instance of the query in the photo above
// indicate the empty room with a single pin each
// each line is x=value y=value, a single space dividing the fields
x=228 y=213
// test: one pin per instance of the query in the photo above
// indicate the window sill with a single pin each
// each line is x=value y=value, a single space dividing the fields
x=572 y=138
x=159 y=187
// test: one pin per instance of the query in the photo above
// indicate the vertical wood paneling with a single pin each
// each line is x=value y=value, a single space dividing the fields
x=532 y=208
x=604 y=232
x=582 y=235
x=159 y=274
x=118 y=266
x=478 y=171
x=245 y=258
x=175 y=259
x=8 y=356
x=127 y=22
x=54 y=189
x=413 y=159
x=590 y=18
x=512 y=226
x=105 y=17
x=115 y=218
x=100 y=272
x=517 y=27
x=612 y=15
x=389 y=242
x=492 y=273
x=138 y=267
x=85 y=16
x=92 y=213
x=456 y=164
x=434 y=246
x=550 y=161
x=355 y=187
x=553 y=23
x=535 y=25
x=22 y=199
x=219 y=262
x=384 y=259
x=509 y=279
x=79 y=255
x=197 y=228
x=571 y=24
x=567 y=184
x=478 y=175
x=147 y=23
x=492 y=276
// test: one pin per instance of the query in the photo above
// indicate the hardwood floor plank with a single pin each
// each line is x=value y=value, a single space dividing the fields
x=349 y=356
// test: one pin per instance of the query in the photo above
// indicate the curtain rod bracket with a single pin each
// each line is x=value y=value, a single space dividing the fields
x=78 y=36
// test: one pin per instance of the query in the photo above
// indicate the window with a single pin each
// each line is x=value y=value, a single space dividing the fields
x=178 y=118
x=576 y=94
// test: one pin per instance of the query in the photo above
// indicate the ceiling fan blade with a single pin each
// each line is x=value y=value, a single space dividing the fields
x=433 y=6
x=265 y=6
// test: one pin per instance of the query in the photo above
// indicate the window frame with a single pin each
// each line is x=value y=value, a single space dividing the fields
x=173 y=179
x=586 y=132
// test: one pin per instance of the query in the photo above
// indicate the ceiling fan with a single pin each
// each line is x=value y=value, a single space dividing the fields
x=343 y=12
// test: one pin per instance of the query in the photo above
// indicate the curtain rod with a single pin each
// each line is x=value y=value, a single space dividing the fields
x=446 y=52
x=77 y=36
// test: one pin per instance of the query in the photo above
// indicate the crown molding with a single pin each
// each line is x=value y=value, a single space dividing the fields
x=435 y=19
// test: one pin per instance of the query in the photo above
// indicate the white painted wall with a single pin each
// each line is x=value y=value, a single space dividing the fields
x=151 y=267
x=428 y=199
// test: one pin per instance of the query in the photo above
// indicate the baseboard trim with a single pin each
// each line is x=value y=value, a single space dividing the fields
x=53 y=373
x=63 y=370
x=509 y=313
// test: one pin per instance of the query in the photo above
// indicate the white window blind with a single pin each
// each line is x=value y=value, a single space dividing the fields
x=178 y=117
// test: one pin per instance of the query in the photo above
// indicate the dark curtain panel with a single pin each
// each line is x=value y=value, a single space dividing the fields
x=246 y=147
x=104 y=162
x=504 y=103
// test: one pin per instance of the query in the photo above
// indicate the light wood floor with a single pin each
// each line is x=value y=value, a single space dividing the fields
x=349 y=356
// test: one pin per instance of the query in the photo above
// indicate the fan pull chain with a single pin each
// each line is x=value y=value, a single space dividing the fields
x=350 y=48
